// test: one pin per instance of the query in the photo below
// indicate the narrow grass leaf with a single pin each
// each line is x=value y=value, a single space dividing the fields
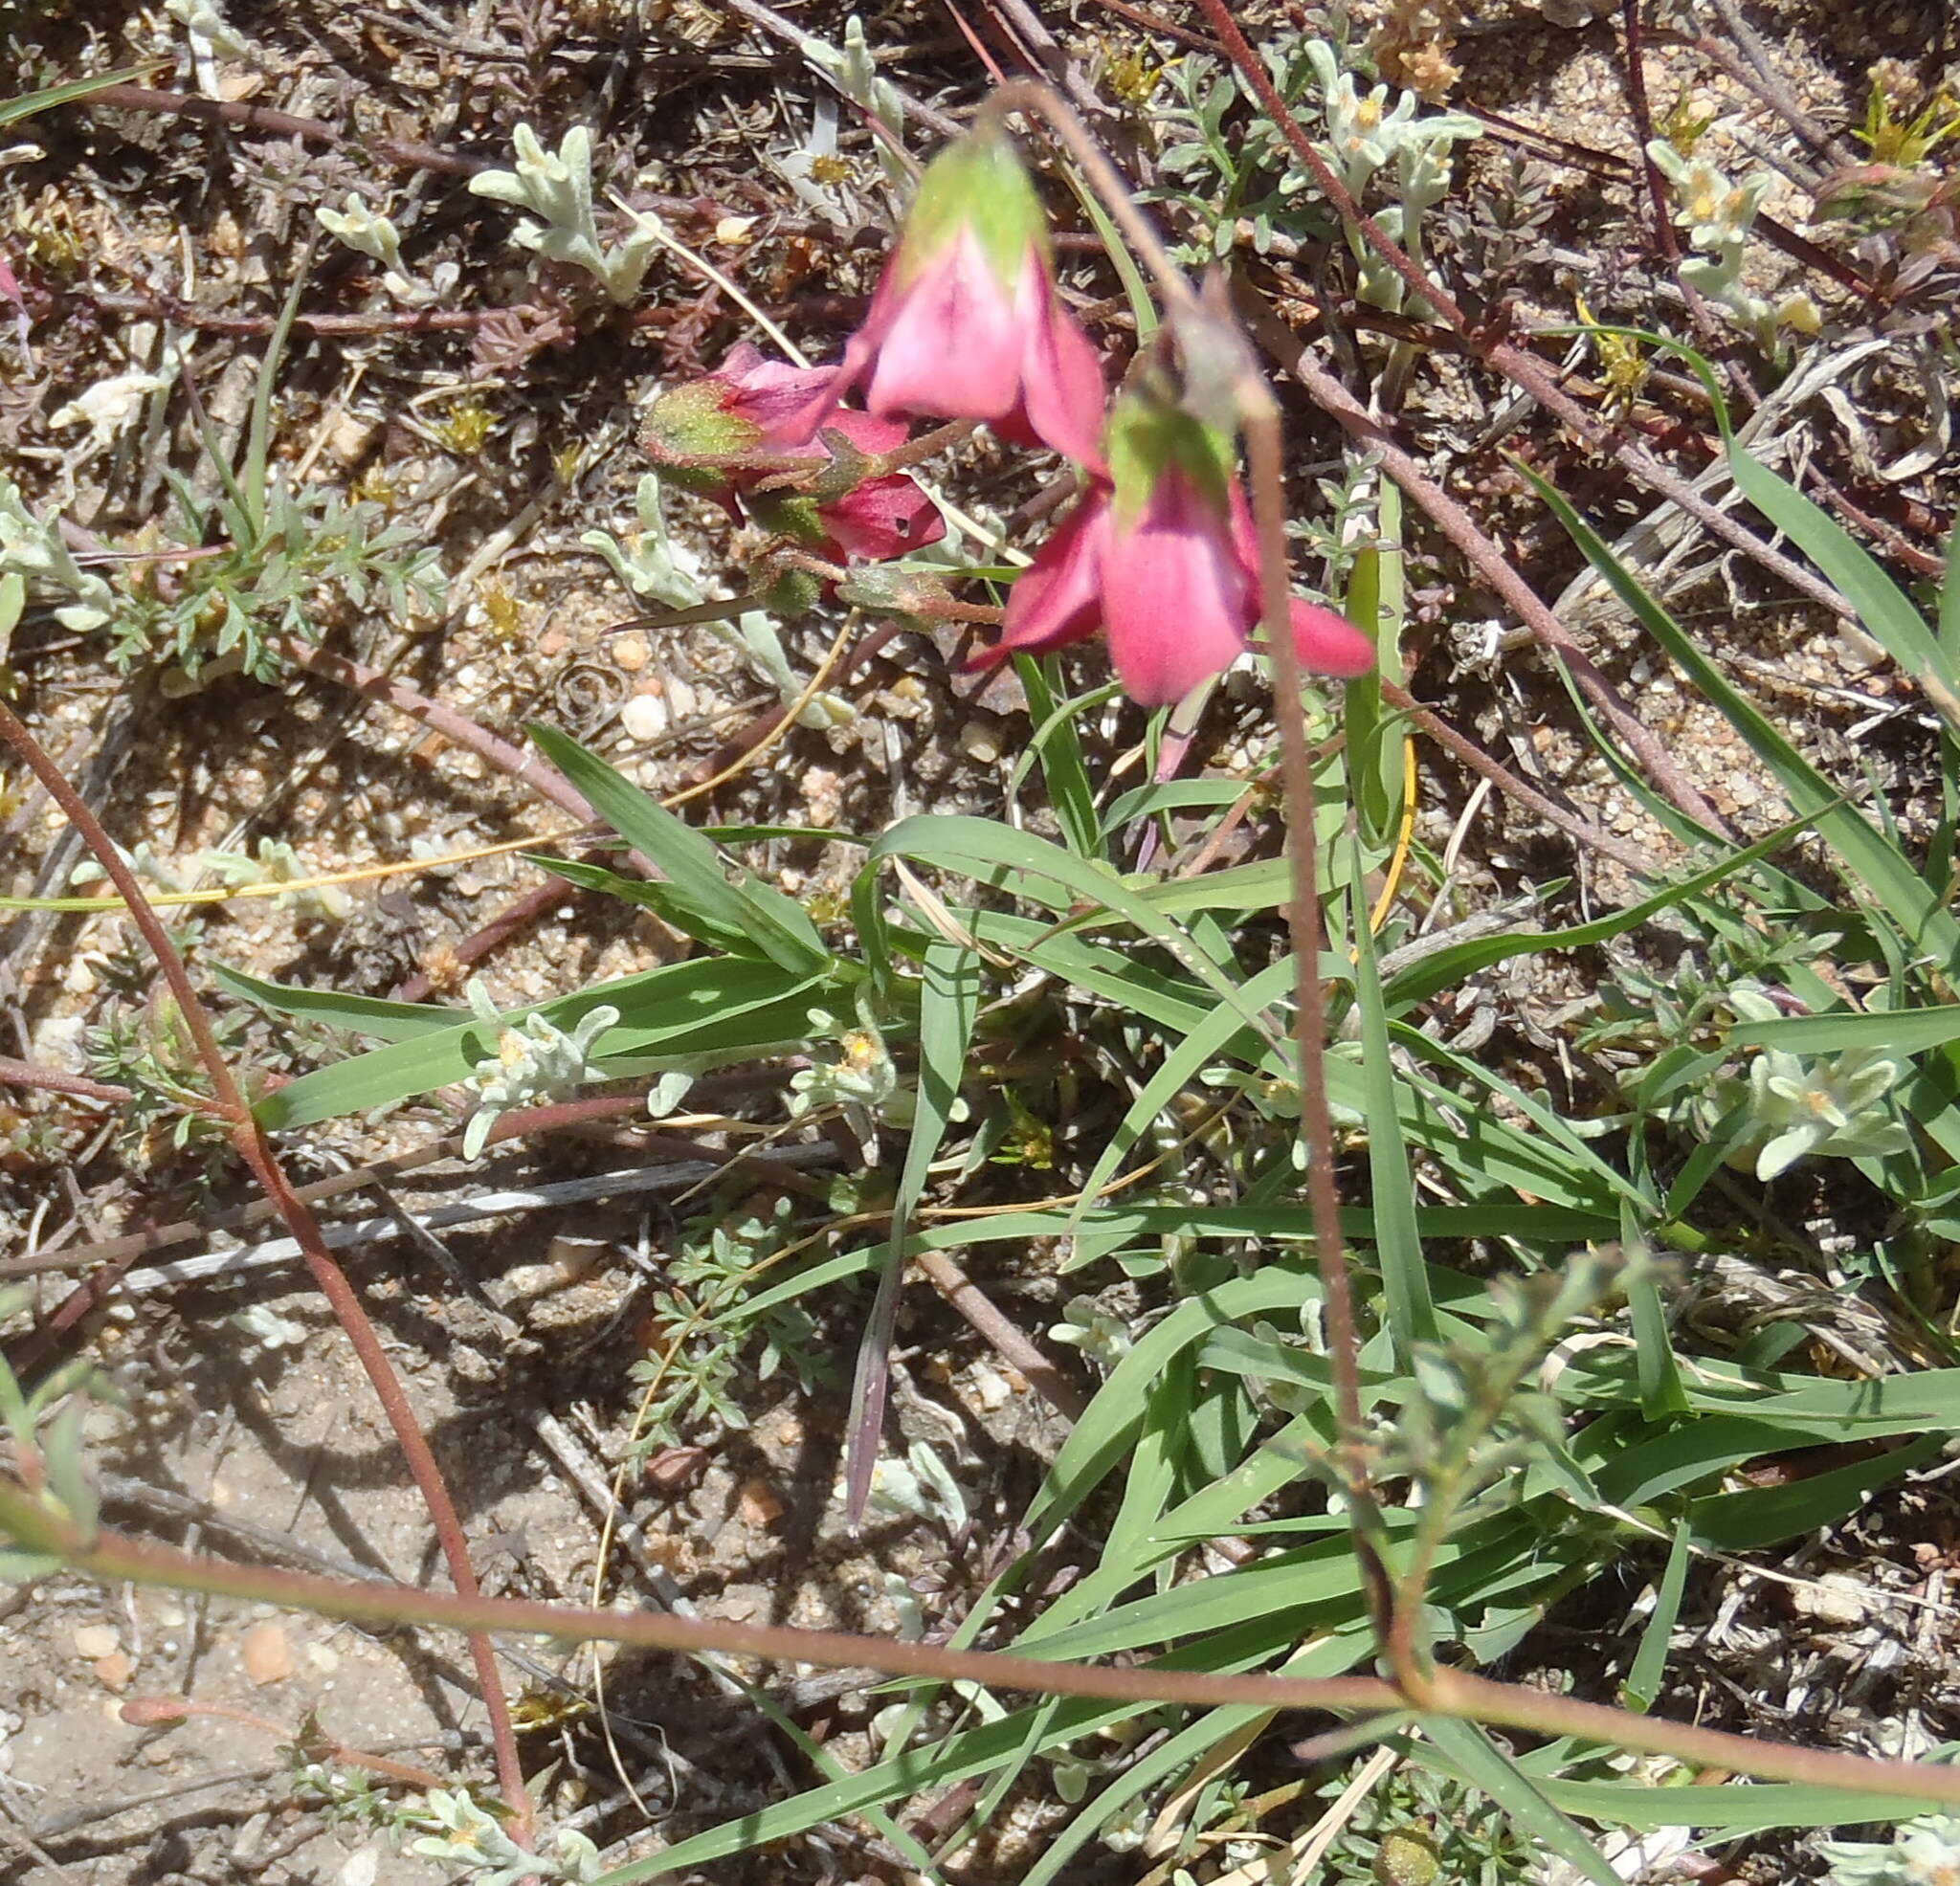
x=1056 y=745
x=1478 y=1761
x=1391 y=1189
x=736 y=912
x=948 y=1000
x=721 y=1008
x=363 y=1014
x=1874 y=864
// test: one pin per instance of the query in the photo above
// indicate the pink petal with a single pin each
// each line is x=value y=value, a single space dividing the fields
x=789 y=403
x=882 y=519
x=953 y=348
x=1062 y=392
x=1174 y=595
x=866 y=431
x=1058 y=599
x=1329 y=644
x=10 y=291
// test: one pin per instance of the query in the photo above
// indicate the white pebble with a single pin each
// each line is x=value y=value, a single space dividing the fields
x=644 y=717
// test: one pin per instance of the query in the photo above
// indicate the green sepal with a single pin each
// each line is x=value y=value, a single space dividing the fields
x=692 y=423
x=791 y=513
x=978 y=185
x=1150 y=436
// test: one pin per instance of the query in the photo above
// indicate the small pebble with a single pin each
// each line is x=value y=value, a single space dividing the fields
x=576 y=1258
x=96 y=1640
x=980 y=744
x=1834 y=1601
x=113 y=1672
x=629 y=653
x=676 y=1469
x=349 y=436
x=757 y=1504
x=266 y=1654
x=644 y=717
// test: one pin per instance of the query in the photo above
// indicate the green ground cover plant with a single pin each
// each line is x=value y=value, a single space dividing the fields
x=1386 y=1361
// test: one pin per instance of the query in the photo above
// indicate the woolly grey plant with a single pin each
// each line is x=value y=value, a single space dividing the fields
x=854 y=72
x=557 y=189
x=1801 y=1106
x=658 y=571
x=466 y=1836
x=1102 y=1337
x=1383 y=130
x=33 y=554
x=862 y=1081
x=1258 y=183
x=372 y=233
x=536 y=1062
x=1839 y=1107
x=918 y=1487
x=1921 y=1852
x=1718 y=216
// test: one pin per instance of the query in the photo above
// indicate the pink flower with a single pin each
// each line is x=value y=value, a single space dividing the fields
x=966 y=324
x=1167 y=568
x=749 y=407
x=877 y=519
x=726 y=435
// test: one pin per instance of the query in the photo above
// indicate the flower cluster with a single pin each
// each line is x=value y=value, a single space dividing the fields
x=1718 y=216
x=749 y=430
x=966 y=324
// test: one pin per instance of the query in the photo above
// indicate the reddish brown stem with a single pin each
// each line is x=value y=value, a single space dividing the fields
x=1009 y=1342
x=405 y=151
x=1473 y=756
x=52 y=1080
x=1266 y=463
x=329 y=1276
x=530 y=769
x=1643 y=131
x=1461 y=528
x=154 y=305
x=110 y=1557
x=148 y=1712
x=519 y=914
x=1523 y=369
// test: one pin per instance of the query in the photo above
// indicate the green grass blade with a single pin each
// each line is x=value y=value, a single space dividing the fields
x=1904 y=1032
x=1873 y=863
x=364 y=1014
x=1392 y=1191
x=724 y=1008
x=949 y=999
x=734 y=911
x=30 y=104
x=1642 y=1683
x=1446 y=967
x=1884 y=608
x=1213 y=1037
x=1728 y=1809
x=1056 y=746
x=1478 y=1759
